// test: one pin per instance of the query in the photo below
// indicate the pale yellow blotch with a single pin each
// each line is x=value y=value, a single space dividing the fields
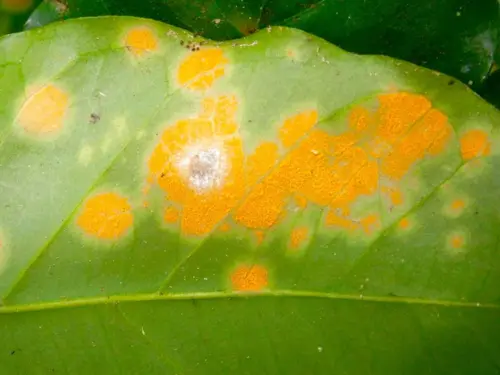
x=406 y=224
x=456 y=241
x=118 y=132
x=456 y=206
x=43 y=112
x=85 y=155
x=4 y=254
x=106 y=143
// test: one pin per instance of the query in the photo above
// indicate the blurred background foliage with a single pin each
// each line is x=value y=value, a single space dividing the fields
x=456 y=37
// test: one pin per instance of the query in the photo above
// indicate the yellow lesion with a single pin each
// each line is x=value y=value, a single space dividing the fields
x=199 y=164
x=298 y=236
x=106 y=216
x=331 y=171
x=200 y=69
x=457 y=206
x=249 y=278
x=475 y=143
x=141 y=40
x=404 y=223
x=456 y=241
x=297 y=126
x=44 y=111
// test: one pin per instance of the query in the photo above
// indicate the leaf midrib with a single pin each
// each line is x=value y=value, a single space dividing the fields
x=150 y=297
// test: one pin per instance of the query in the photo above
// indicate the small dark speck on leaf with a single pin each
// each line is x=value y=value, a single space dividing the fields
x=94 y=118
x=13 y=352
x=451 y=82
x=162 y=174
x=182 y=42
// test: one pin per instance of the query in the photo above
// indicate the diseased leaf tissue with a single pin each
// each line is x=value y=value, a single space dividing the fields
x=275 y=164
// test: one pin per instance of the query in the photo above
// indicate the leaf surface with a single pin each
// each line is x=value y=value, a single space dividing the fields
x=272 y=204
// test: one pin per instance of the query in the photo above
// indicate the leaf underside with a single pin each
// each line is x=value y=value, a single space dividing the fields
x=266 y=205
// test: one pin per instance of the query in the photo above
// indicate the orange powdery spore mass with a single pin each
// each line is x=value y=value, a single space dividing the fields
x=141 y=40
x=429 y=136
x=298 y=236
x=263 y=207
x=106 y=216
x=336 y=170
x=200 y=69
x=474 y=143
x=261 y=161
x=43 y=112
x=171 y=215
x=199 y=163
x=247 y=278
x=297 y=126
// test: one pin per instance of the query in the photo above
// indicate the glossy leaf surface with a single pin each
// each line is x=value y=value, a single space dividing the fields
x=170 y=205
x=456 y=37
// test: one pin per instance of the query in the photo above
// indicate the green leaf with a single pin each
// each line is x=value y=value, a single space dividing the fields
x=273 y=204
x=456 y=37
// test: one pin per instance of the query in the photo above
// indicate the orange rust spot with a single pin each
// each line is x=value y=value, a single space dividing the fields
x=457 y=241
x=404 y=223
x=429 y=135
x=263 y=207
x=335 y=220
x=474 y=143
x=297 y=126
x=200 y=69
x=395 y=195
x=171 y=215
x=458 y=205
x=261 y=161
x=199 y=163
x=290 y=53
x=141 y=40
x=43 y=112
x=249 y=278
x=17 y=5
x=106 y=216
x=298 y=236
x=370 y=223
x=398 y=112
